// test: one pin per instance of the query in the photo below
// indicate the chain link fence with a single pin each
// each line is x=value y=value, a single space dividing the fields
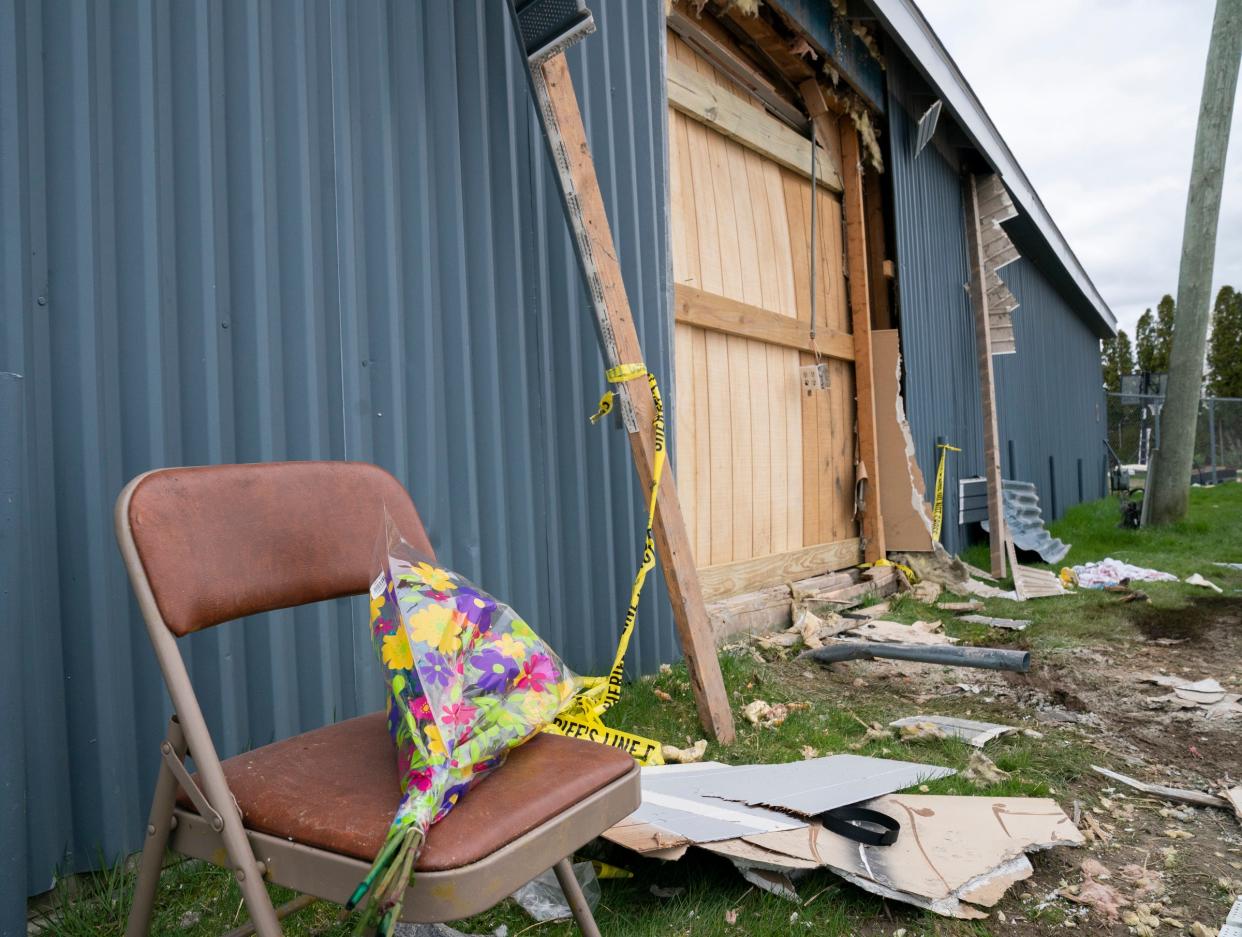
x=1134 y=431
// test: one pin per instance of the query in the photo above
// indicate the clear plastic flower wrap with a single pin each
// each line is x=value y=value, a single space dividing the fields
x=467 y=681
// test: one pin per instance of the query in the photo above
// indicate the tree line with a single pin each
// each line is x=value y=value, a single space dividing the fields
x=1153 y=338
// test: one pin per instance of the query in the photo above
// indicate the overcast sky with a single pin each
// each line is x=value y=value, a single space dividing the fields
x=1098 y=100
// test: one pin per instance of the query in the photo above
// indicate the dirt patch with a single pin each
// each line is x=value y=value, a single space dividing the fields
x=1201 y=619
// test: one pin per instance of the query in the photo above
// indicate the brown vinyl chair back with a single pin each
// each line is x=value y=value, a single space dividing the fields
x=220 y=542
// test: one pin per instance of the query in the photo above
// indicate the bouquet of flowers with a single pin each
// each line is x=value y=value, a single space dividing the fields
x=467 y=681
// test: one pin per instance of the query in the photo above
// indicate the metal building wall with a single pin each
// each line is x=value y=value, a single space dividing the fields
x=1049 y=394
x=235 y=232
x=937 y=325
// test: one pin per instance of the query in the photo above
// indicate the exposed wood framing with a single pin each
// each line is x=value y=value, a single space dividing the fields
x=696 y=96
x=733 y=578
x=733 y=317
x=987 y=380
x=571 y=155
x=995 y=206
x=746 y=75
x=881 y=307
x=860 y=308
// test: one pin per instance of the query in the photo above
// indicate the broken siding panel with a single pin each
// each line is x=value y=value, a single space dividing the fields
x=1049 y=393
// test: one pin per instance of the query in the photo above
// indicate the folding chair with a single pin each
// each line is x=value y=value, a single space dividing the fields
x=209 y=545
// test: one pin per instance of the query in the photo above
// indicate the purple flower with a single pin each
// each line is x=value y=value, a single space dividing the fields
x=435 y=670
x=496 y=671
x=476 y=606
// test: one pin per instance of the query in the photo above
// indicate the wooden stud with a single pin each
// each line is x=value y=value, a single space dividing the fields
x=987 y=380
x=721 y=314
x=860 y=308
x=571 y=155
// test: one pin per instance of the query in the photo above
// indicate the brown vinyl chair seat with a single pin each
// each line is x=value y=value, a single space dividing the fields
x=336 y=789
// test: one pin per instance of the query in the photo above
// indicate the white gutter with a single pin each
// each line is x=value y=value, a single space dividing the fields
x=911 y=31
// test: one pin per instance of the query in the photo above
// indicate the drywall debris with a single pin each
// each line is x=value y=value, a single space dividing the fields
x=955 y=856
x=1234 y=796
x=1013 y=624
x=684 y=756
x=766 y=716
x=1194 y=579
x=958 y=607
x=982 y=771
x=1175 y=795
x=921 y=632
x=1095 y=894
x=977 y=734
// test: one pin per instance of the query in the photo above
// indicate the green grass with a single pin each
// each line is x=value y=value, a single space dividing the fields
x=197 y=900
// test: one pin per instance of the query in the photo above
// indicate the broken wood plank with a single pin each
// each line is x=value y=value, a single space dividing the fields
x=747 y=575
x=1175 y=795
x=718 y=313
x=987 y=380
x=571 y=155
x=1013 y=624
x=698 y=97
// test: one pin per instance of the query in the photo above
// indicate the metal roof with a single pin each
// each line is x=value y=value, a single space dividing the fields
x=907 y=26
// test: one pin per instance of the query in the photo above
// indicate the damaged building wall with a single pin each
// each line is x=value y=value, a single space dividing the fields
x=936 y=324
x=1050 y=395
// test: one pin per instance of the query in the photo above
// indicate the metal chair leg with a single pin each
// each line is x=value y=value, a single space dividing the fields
x=159 y=825
x=577 y=901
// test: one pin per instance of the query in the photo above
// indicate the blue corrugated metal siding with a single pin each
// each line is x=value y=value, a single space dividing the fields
x=1049 y=394
x=238 y=232
x=937 y=326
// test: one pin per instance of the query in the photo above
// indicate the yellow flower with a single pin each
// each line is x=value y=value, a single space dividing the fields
x=397 y=654
x=435 y=744
x=438 y=627
x=376 y=605
x=434 y=577
x=510 y=647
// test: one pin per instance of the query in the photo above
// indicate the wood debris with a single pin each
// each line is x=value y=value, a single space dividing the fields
x=1172 y=794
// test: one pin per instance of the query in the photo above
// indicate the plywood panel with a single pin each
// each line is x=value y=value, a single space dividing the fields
x=772 y=467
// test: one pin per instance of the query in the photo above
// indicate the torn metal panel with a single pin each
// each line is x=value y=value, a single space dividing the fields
x=1024 y=520
x=977 y=734
x=810 y=787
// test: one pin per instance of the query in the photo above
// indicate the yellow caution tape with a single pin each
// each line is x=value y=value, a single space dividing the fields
x=582 y=718
x=911 y=575
x=938 y=507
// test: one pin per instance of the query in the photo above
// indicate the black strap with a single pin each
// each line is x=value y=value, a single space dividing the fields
x=846 y=820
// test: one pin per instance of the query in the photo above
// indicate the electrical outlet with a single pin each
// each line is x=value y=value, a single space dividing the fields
x=814 y=377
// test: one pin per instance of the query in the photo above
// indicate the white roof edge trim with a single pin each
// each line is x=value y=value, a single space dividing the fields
x=907 y=25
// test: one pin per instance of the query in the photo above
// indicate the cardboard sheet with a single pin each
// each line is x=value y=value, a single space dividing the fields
x=955 y=855
x=977 y=734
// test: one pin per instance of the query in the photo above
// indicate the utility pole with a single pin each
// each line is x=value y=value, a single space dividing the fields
x=1170 y=488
